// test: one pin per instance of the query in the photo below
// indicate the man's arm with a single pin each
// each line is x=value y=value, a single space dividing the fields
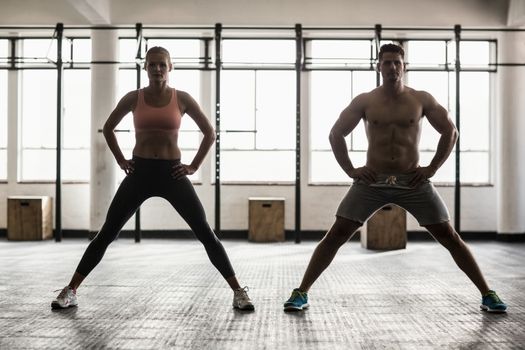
x=345 y=124
x=439 y=119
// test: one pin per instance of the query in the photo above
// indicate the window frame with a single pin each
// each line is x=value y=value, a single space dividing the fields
x=254 y=67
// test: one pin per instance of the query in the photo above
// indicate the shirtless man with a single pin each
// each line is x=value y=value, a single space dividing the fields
x=393 y=114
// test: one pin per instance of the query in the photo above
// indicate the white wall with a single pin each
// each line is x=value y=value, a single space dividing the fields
x=318 y=202
x=257 y=12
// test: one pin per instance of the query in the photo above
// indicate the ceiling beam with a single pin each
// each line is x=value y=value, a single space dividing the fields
x=95 y=11
x=516 y=13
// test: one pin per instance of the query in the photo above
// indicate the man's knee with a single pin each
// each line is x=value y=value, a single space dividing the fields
x=445 y=234
x=342 y=230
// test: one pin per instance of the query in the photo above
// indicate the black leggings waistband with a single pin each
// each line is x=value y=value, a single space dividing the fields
x=155 y=161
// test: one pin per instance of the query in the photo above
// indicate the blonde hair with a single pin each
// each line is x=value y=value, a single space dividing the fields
x=157 y=49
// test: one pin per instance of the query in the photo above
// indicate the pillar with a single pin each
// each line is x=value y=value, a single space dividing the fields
x=510 y=161
x=104 y=81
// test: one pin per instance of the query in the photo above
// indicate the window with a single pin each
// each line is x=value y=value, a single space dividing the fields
x=76 y=125
x=77 y=51
x=330 y=92
x=241 y=53
x=39 y=89
x=258 y=111
x=3 y=111
x=475 y=54
x=475 y=104
x=38 y=125
x=341 y=53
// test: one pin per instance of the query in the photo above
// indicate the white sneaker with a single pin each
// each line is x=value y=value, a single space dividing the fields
x=241 y=300
x=66 y=298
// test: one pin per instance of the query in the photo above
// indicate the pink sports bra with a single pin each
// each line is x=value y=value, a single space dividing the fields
x=146 y=117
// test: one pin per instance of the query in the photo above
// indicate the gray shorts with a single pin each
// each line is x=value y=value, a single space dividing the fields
x=423 y=202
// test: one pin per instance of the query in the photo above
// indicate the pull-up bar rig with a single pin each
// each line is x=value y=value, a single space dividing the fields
x=218 y=31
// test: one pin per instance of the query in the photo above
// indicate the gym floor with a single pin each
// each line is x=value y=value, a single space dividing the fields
x=164 y=294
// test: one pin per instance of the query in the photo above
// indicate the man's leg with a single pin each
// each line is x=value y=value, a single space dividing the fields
x=341 y=231
x=445 y=234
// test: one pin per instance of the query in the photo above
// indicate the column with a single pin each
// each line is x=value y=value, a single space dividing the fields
x=103 y=99
x=510 y=160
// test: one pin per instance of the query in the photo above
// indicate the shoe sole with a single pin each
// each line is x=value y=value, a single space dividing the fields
x=494 y=311
x=296 y=308
x=246 y=308
x=56 y=306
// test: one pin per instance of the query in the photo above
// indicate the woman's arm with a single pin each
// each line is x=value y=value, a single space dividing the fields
x=124 y=106
x=192 y=109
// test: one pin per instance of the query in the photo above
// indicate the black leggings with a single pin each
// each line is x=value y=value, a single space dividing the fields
x=152 y=178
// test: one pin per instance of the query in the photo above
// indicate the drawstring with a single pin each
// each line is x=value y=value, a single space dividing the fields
x=391 y=180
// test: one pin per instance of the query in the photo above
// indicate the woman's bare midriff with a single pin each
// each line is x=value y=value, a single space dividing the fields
x=157 y=144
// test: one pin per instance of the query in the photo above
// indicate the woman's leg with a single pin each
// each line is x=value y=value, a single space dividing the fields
x=128 y=198
x=181 y=194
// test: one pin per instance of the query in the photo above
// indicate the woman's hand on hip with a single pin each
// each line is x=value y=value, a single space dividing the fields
x=128 y=165
x=181 y=170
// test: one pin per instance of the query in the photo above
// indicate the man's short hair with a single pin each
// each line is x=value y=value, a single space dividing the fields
x=391 y=48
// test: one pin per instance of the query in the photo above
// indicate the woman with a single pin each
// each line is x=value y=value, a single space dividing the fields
x=156 y=170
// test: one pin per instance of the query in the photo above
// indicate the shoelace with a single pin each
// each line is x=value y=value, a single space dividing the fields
x=242 y=293
x=63 y=292
x=495 y=298
x=296 y=293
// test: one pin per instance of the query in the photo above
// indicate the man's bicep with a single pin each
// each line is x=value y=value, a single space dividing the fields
x=439 y=119
x=348 y=119
x=437 y=116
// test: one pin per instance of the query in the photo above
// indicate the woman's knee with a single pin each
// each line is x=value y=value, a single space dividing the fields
x=105 y=236
x=206 y=236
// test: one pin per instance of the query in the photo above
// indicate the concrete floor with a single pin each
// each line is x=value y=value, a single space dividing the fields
x=164 y=294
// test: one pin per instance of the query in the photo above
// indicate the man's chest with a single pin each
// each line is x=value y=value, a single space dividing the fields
x=401 y=114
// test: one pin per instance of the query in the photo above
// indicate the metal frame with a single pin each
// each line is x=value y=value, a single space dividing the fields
x=218 y=67
x=138 y=29
x=58 y=182
x=299 y=67
x=298 y=70
x=457 y=184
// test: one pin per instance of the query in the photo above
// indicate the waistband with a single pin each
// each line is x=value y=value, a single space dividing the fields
x=393 y=180
x=154 y=161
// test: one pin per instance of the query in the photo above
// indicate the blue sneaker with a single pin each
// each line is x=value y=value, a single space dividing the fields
x=490 y=302
x=298 y=301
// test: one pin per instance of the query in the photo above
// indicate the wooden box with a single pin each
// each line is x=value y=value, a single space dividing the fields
x=266 y=219
x=29 y=218
x=386 y=229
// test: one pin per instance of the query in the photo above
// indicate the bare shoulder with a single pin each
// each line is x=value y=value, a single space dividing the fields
x=183 y=95
x=129 y=100
x=425 y=98
x=185 y=101
x=364 y=99
x=132 y=95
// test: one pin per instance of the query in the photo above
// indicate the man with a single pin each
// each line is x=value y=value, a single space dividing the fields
x=393 y=114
